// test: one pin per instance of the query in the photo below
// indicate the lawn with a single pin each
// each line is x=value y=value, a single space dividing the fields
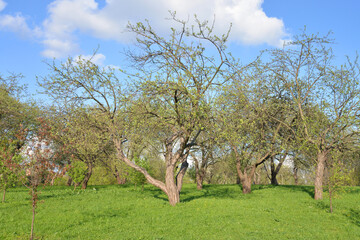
x=216 y=212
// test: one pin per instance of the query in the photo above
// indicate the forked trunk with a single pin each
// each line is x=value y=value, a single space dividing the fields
x=245 y=178
x=87 y=177
x=319 y=176
x=169 y=188
x=275 y=169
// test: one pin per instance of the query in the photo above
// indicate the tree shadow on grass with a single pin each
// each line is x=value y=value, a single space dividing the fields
x=213 y=191
x=353 y=190
x=296 y=188
x=209 y=191
x=231 y=191
x=354 y=216
x=157 y=193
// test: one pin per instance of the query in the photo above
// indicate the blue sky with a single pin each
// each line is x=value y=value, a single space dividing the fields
x=34 y=31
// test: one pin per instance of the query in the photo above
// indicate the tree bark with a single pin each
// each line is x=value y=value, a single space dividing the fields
x=87 y=176
x=330 y=198
x=276 y=169
x=274 y=173
x=34 y=199
x=246 y=184
x=274 y=181
x=199 y=180
x=181 y=174
x=200 y=170
x=295 y=174
x=257 y=178
x=171 y=188
x=245 y=178
x=171 y=159
x=321 y=159
x=119 y=180
x=69 y=181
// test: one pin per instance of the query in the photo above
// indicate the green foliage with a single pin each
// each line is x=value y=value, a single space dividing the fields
x=77 y=172
x=339 y=176
x=102 y=176
x=9 y=156
x=136 y=177
x=61 y=181
x=191 y=172
x=14 y=115
x=216 y=212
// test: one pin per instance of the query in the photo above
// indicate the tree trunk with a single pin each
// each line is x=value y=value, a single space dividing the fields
x=199 y=181
x=171 y=189
x=69 y=181
x=119 y=180
x=199 y=172
x=321 y=159
x=276 y=169
x=34 y=199
x=238 y=181
x=257 y=178
x=296 y=179
x=330 y=198
x=4 y=193
x=87 y=176
x=246 y=183
x=32 y=224
x=273 y=178
x=245 y=178
x=181 y=174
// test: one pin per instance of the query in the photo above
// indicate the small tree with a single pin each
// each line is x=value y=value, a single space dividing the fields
x=39 y=165
x=13 y=114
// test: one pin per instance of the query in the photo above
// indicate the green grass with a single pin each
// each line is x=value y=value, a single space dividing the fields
x=216 y=212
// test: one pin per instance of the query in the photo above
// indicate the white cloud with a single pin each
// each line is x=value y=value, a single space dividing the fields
x=2 y=5
x=68 y=18
x=16 y=24
x=97 y=58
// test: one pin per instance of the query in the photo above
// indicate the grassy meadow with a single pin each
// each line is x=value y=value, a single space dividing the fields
x=216 y=212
